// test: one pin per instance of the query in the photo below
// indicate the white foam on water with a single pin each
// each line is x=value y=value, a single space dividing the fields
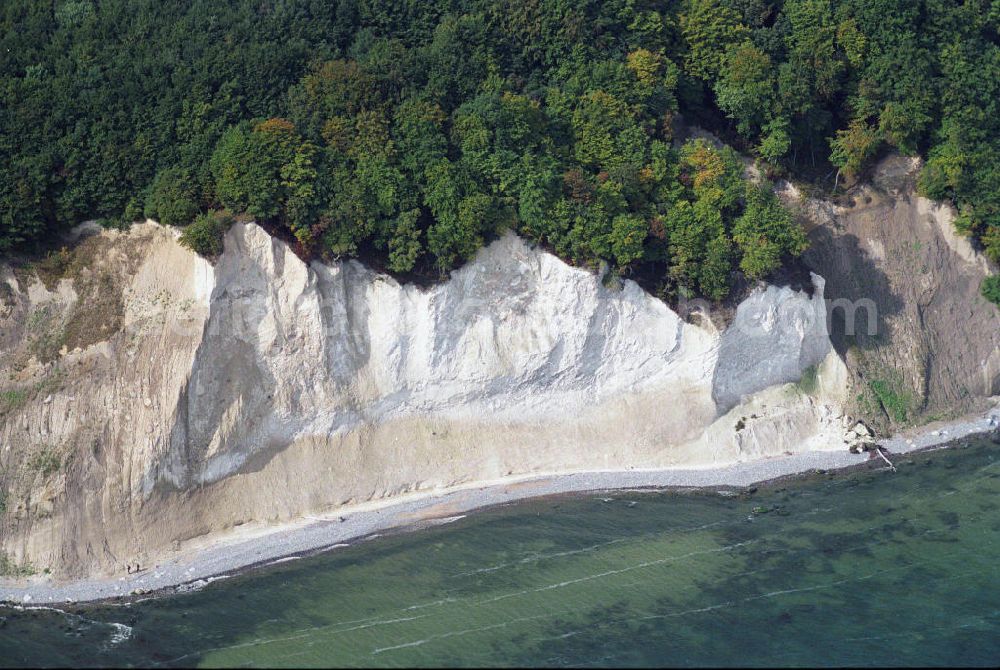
x=119 y=631
x=286 y=559
x=121 y=634
x=450 y=519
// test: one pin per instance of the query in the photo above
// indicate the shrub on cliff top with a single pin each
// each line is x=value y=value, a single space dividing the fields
x=991 y=289
x=205 y=235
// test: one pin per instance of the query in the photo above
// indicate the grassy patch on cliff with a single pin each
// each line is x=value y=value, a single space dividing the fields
x=45 y=332
x=886 y=395
x=10 y=568
x=809 y=382
x=11 y=400
x=895 y=402
x=45 y=462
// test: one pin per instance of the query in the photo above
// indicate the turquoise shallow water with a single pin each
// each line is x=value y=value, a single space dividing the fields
x=869 y=568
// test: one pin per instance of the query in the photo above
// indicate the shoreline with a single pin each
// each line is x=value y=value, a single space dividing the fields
x=257 y=545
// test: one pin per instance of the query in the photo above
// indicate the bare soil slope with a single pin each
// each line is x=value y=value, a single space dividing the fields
x=933 y=348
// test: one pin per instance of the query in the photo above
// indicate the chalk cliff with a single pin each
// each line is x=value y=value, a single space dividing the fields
x=151 y=398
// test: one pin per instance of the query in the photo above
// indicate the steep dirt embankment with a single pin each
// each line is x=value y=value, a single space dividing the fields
x=150 y=398
x=932 y=347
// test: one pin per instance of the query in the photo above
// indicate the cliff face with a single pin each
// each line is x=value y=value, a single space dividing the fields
x=151 y=399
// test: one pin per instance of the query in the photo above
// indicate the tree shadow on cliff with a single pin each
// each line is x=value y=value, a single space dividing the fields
x=859 y=296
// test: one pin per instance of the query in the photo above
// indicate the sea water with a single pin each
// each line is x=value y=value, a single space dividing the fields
x=865 y=568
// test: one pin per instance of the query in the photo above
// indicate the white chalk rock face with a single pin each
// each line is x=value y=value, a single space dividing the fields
x=291 y=351
x=516 y=337
x=776 y=335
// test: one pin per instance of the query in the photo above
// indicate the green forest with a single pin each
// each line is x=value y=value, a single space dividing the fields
x=411 y=132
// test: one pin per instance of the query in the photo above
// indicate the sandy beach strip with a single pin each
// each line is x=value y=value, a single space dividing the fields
x=255 y=545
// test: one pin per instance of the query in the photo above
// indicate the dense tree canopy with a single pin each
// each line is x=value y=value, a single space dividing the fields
x=412 y=132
